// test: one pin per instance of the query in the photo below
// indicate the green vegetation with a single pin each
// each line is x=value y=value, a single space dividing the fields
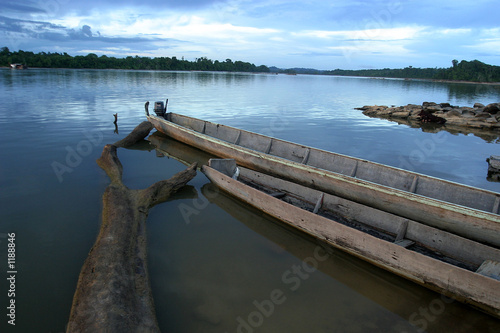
x=64 y=60
x=474 y=71
x=406 y=73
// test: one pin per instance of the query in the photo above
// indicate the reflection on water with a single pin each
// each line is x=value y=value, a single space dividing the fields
x=210 y=257
x=487 y=135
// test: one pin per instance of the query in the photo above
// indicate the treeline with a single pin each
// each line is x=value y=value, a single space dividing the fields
x=407 y=72
x=92 y=61
x=473 y=71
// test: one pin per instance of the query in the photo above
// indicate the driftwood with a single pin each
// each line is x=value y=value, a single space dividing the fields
x=140 y=132
x=113 y=293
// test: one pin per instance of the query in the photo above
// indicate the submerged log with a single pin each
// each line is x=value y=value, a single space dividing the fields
x=113 y=293
x=140 y=132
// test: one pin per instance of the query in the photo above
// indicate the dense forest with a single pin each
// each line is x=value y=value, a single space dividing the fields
x=91 y=60
x=474 y=71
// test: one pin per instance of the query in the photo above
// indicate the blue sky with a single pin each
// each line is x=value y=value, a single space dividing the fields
x=322 y=34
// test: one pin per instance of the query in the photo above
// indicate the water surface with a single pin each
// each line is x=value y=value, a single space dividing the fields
x=216 y=264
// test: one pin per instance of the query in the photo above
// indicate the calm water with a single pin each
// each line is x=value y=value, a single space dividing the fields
x=216 y=265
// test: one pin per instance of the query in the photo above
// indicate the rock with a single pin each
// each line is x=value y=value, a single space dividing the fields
x=413 y=107
x=376 y=110
x=431 y=107
x=479 y=117
x=483 y=114
x=427 y=104
x=363 y=108
x=401 y=114
x=454 y=113
x=427 y=117
x=492 y=108
x=413 y=110
x=466 y=110
x=493 y=168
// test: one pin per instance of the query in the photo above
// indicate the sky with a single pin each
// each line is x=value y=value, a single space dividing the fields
x=320 y=34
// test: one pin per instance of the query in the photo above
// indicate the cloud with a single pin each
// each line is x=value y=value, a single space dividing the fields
x=338 y=34
x=37 y=35
x=388 y=34
x=8 y=24
x=21 y=8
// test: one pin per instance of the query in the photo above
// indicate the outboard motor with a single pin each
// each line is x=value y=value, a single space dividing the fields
x=159 y=109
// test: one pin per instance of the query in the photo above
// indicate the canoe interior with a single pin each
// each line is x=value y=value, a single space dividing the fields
x=348 y=166
x=429 y=241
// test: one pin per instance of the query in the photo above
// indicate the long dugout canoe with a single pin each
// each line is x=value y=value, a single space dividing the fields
x=464 y=210
x=457 y=267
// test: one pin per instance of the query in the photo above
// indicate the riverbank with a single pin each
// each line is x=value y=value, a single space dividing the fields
x=426 y=80
x=477 y=117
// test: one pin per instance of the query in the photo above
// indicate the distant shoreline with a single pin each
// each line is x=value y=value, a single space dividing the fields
x=412 y=79
x=352 y=76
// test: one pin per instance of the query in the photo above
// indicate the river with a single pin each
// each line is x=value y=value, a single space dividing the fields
x=216 y=265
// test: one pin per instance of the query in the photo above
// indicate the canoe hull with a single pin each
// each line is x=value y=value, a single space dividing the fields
x=470 y=223
x=466 y=286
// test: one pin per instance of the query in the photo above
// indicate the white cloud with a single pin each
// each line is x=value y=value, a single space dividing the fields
x=275 y=32
x=387 y=34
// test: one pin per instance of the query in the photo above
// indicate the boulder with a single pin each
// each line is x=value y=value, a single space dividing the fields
x=492 y=108
x=466 y=110
x=493 y=168
x=401 y=114
x=445 y=105
x=454 y=113
x=431 y=107
x=478 y=105
x=483 y=115
x=427 y=104
x=427 y=117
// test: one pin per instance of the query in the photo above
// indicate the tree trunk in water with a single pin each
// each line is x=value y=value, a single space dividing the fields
x=113 y=293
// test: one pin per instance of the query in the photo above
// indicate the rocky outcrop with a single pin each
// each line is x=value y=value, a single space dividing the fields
x=493 y=168
x=480 y=116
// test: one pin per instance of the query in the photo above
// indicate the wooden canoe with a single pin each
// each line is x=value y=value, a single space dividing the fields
x=461 y=268
x=464 y=210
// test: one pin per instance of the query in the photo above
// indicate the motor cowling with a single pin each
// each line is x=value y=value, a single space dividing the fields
x=159 y=109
